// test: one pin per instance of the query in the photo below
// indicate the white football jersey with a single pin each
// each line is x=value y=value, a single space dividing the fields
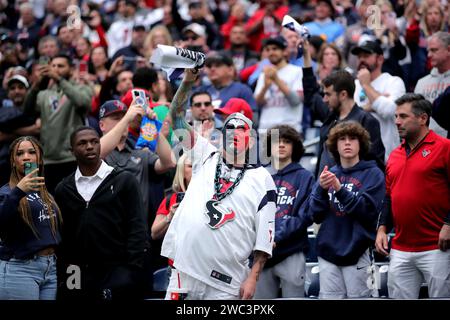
x=213 y=245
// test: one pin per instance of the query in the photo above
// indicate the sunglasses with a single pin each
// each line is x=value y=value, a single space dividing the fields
x=193 y=38
x=199 y=104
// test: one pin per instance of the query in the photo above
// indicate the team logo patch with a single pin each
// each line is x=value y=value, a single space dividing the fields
x=425 y=152
x=217 y=214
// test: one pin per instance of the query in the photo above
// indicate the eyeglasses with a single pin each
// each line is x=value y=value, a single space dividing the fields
x=199 y=104
x=193 y=38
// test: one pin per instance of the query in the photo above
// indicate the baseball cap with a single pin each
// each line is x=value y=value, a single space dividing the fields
x=196 y=28
x=139 y=27
x=236 y=105
x=19 y=78
x=279 y=41
x=110 y=107
x=219 y=59
x=368 y=47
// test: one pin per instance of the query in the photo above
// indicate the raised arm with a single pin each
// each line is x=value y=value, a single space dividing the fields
x=182 y=129
x=109 y=141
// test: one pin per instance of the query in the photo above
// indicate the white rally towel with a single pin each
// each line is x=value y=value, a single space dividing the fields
x=174 y=60
x=291 y=24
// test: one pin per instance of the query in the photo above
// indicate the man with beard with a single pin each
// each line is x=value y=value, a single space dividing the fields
x=104 y=229
x=279 y=91
x=226 y=215
x=336 y=106
x=62 y=107
x=376 y=92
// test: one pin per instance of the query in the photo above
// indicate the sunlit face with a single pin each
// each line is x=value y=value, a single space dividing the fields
x=82 y=47
x=434 y=17
x=238 y=35
x=202 y=108
x=108 y=123
x=368 y=61
x=330 y=58
x=61 y=67
x=86 y=147
x=331 y=98
x=219 y=73
x=322 y=11
x=98 y=57
x=348 y=147
x=25 y=152
x=282 y=149
x=17 y=93
x=49 y=48
x=159 y=37
x=124 y=81
x=408 y=124
x=438 y=53
x=274 y=53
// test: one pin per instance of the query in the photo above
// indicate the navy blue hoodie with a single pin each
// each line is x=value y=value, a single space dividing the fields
x=294 y=184
x=18 y=238
x=348 y=220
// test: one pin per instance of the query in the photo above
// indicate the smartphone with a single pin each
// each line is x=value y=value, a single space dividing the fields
x=129 y=59
x=140 y=98
x=44 y=60
x=29 y=167
x=180 y=197
x=82 y=66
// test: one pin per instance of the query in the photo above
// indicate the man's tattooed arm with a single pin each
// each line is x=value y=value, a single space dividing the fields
x=182 y=128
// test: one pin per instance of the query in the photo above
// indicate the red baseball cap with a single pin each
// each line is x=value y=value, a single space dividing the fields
x=236 y=105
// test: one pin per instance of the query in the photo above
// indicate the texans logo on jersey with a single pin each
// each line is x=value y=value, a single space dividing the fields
x=218 y=215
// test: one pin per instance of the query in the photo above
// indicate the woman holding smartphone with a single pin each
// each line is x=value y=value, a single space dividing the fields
x=29 y=227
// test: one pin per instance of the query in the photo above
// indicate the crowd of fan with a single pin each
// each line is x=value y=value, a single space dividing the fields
x=63 y=61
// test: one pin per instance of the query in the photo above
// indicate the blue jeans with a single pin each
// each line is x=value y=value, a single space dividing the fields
x=32 y=279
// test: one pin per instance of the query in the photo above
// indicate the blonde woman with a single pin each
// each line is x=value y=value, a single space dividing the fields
x=29 y=227
x=170 y=203
x=157 y=35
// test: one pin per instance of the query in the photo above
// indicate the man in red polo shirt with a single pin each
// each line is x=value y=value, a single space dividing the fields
x=418 y=205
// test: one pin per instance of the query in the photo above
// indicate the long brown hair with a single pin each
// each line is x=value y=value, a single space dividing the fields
x=47 y=199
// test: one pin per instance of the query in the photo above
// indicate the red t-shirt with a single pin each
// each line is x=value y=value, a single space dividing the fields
x=164 y=208
x=419 y=186
x=272 y=29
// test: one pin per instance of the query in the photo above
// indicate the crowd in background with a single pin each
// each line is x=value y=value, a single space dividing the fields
x=68 y=64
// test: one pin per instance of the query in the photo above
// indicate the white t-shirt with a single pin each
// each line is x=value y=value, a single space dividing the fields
x=218 y=256
x=277 y=109
x=431 y=86
x=390 y=88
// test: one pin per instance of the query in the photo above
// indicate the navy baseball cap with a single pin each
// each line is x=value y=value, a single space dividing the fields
x=110 y=107
x=279 y=41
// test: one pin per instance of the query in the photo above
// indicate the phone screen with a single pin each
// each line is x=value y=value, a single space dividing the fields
x=82 y=66
x=43 y=60
x=29 y=167
x=180 y=197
